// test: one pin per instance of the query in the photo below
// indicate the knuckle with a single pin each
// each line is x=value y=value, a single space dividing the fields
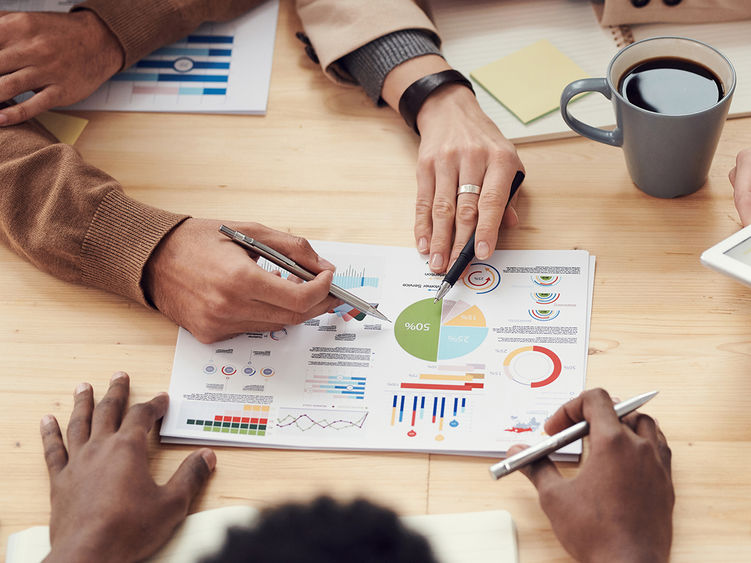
x=448 y=153
x=423 y=207
x=301 y=245
x=54 y=451
x=493 y=200
x=21 y=112
x=597 y=394
x=467 y=213
x=22 y=22
x=443 y=209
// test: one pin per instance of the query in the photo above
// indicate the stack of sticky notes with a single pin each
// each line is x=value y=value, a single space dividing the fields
x=529 y=82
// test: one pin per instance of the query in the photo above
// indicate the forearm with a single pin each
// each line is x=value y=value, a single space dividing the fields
x=142 y=26
x=70 y=219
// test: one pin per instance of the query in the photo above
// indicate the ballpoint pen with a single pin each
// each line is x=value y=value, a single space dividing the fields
x=291 y=266
x=563 y=438
x=468 y=252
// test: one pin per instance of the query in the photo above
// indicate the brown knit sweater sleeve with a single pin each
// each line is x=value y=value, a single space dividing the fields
x=142 y=26
x=70 y=219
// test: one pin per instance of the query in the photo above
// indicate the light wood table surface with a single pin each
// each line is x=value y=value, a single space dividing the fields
x=660 y=320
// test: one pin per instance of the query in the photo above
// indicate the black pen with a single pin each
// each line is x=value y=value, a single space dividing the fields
x=288 y=264
x=468 y=252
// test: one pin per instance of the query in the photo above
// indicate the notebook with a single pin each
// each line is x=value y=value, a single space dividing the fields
x=476 y=33
x=480 y=537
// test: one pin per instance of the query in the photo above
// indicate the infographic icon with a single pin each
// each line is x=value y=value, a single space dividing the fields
x=440 y=331
x=534 y=366
x=481 y=277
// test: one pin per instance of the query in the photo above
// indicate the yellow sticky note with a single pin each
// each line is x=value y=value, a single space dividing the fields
x=66 y=128
x=529 y=82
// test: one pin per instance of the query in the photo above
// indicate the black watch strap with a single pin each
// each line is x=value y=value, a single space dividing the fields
x=417 y=92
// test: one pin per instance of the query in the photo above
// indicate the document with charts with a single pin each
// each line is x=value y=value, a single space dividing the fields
x=218 y=68
x=473 y=374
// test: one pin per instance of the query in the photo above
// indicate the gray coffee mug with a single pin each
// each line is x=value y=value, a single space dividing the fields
x=666 y=155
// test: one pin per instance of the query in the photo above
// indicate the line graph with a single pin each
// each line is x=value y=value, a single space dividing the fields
x=304 y=420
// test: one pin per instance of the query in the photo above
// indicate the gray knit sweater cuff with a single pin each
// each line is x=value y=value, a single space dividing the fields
x=370 y=64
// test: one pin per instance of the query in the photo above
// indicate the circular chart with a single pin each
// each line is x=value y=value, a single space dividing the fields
x=440 y=331
x=534 y=366
x=481 y=277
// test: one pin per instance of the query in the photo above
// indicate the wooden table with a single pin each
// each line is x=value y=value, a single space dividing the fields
x=660 y=319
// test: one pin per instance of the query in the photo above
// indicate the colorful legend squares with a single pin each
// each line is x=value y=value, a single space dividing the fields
x=252 y=420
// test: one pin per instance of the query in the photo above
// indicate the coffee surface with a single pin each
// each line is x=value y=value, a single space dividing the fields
x=671 y=86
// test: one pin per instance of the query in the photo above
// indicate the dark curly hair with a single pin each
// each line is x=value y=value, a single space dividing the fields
x=325 y=531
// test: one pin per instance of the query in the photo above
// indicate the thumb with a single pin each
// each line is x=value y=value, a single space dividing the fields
x=191 y=476
x=542 y=473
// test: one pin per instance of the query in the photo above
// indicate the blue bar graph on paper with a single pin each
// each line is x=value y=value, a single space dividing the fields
x=147 y=63
x=443 y=404
x=456 y=404
x=435 y=407
x=464 y=402
x=422 y=406
x=154 y=77
x=192 y=52
x=193 y=77
x=395 y=399
x=401 y=409
x=210 y=39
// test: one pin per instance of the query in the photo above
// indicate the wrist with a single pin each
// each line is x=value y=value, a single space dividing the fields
x=108 y=50
x=445 y=101
x=419 y=92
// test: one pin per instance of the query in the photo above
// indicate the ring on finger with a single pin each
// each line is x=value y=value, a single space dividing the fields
x=468 y=189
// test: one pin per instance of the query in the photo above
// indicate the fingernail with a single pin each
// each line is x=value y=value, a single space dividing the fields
x=422 y=246
x=81 y=387
x=118 y=375
x=325 y=264
x=436 y=261
x=483 y=250
x=615 y=399
x=47 y=419
x=3 y=119
x=210 y=458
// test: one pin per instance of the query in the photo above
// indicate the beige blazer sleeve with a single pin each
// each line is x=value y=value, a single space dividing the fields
x=620 y=12
x=142 y=26
x=338 y=27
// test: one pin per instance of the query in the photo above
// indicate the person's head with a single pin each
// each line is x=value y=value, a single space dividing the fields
x=325 y=531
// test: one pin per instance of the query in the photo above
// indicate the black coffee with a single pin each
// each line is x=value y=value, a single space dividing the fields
x=671 y=86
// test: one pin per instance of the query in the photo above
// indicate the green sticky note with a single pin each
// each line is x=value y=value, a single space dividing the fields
x=529 y=82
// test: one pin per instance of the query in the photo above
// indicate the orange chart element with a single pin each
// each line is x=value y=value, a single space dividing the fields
x=535 y=366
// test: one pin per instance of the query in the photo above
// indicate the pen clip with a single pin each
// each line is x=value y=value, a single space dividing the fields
x=268 y=250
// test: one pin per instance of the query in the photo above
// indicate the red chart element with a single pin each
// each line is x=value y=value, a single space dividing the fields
x=535 y=366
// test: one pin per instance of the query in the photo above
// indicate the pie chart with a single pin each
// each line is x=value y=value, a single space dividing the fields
x=440 y=331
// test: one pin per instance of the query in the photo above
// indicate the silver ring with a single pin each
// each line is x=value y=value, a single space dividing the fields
x=468 y=189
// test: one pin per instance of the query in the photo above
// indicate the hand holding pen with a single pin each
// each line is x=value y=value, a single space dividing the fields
x=467 y=253
x=619 y=505
x=211 y=287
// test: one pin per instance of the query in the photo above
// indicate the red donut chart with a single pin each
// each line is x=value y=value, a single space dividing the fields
x=526 y=366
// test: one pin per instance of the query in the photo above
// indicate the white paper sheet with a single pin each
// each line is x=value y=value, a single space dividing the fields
x=475 y=374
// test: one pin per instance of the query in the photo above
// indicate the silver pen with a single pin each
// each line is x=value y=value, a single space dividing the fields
x=291 y=266
x=563 y=438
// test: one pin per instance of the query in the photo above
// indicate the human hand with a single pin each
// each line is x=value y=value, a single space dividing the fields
x=105 y=504
x=207 y=284
x=61 y=57
x=459 y=144
x=740 y=177
x=619 y=506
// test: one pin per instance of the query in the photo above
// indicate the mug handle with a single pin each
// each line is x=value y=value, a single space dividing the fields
x=614 y=137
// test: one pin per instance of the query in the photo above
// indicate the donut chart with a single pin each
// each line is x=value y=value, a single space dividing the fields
x=481 y=278
x=533 y=366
